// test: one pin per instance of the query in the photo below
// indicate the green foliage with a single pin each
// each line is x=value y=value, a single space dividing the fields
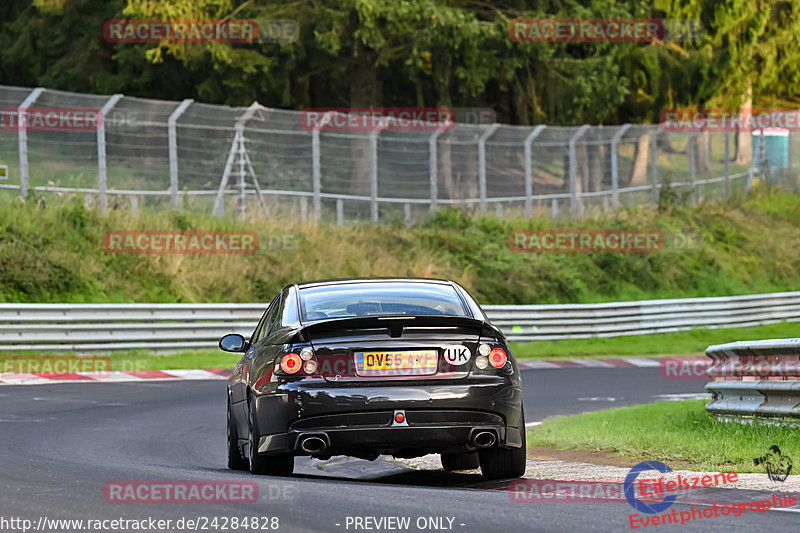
x=681 y=434
x=415 y=53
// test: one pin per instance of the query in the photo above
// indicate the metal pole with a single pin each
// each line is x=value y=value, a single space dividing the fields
x=22 y=135
x=529 y=168
x=615 y=164
x=373 y=181
x=315 y=170
x=692 y=148
x=654 y=163
x=433 y=166
x=482 y=164
x=242 y=187
x=727 y=164
x=575 y=206
x=315 y=165
x=219 y=201
x=101 y=151
x=172 y=133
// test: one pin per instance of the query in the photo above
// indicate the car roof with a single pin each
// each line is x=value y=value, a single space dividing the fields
x=347 y=281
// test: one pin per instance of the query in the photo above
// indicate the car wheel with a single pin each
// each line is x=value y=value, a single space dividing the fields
x=235 y=459
x=460 y=461
x=265 y=465
x=504 y=463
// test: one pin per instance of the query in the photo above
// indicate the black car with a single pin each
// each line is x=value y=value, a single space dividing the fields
x=364 y=367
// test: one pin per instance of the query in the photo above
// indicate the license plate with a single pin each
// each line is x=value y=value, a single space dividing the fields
x=405 y=363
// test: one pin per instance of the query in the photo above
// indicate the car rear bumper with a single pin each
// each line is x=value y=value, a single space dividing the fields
x=442 y=431
x=359 y=417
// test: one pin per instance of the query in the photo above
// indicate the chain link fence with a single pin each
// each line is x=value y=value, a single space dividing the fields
x=237 y=160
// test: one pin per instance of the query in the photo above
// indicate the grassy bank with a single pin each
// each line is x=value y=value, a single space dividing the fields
x=680 y=434
x=56 y=254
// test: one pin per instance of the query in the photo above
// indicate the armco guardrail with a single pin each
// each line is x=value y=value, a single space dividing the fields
x=101 y=327
x=755 y=379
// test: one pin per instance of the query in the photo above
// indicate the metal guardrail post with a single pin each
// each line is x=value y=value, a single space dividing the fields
x=482 y=164
x=529 y=168
x=744 y=384
x=576 y=205
x=22 y=135
x=615 y=164
x=172 y=133
x=101 y=151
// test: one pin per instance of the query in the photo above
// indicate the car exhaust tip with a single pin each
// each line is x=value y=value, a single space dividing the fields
x=484 y=439
x=313 y=445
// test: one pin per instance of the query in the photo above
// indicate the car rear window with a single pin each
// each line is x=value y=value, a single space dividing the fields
x=351 y=300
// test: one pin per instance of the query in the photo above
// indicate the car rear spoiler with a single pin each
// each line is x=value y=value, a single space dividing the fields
x=395 y=324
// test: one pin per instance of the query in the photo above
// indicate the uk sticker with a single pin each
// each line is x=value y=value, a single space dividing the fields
x=456 y=354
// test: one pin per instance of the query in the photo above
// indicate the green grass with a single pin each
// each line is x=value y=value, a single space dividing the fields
x=680 y=434
x=692 y=342
x=56 y=254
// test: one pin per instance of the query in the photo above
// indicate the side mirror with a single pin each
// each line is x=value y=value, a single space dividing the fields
x=233 y=342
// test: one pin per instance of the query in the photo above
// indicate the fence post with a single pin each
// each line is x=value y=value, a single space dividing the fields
x=316 y=177
x=22 y=135
x=339 y=212
x=172 y=134
x=373 y=177
x=727 y=164
x=789 y=160
x=315 y=164
x=482 y=164
x=433 y=166
x=576 y=209
x=654 y=163
x=692 y=147
x=101 y=151
x=529 y=168
x=615 y=164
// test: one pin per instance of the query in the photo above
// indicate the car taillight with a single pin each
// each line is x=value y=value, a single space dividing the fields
x=291 y=363
x=497 y=358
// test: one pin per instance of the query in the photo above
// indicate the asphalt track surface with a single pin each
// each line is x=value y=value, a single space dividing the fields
x=60 y=444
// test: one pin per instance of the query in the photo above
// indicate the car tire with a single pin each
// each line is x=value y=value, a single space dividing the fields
x=459 y=461
x=235 y=459
x=504 y=463
x=265 y=465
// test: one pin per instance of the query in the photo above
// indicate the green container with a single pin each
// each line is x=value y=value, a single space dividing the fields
x=775 y=149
